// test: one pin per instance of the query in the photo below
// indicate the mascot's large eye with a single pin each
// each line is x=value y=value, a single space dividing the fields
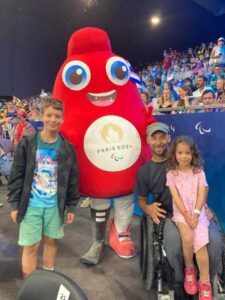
x=118 y=70
x=76 y=75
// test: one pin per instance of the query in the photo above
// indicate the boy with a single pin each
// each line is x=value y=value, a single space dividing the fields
x=42 y=184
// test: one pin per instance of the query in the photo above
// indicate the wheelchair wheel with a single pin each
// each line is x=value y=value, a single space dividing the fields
x=219 y=282
x=146 y=261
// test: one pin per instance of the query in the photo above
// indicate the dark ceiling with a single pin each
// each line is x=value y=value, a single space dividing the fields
x=34 y=33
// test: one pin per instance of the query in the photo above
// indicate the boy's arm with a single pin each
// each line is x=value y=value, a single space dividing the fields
x=17 y=175
x=72 y=198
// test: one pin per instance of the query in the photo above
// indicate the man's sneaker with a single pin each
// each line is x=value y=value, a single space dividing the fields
x=1 y=204
x=190 y=282
x=121 y=242
x=205 y=290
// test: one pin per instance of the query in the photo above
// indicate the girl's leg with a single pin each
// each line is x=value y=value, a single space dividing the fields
x=204 y=285
x=49 y=253
x=190 y=282
x=187 y=243
x=202 y=258
x=29 y=259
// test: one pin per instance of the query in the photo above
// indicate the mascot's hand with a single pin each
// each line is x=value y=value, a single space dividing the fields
x=148 y=119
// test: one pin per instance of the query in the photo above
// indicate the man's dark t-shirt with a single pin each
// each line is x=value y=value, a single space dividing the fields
x=151 y=179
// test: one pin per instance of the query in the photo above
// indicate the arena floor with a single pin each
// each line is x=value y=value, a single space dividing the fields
x=113 y=278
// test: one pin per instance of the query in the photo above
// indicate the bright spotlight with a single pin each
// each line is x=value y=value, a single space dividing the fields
x=155 y=20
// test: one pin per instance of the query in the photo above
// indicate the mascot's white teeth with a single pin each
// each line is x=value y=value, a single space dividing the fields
x=102 y=99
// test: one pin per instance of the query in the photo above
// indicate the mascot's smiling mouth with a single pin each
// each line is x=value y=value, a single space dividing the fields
x=102 y=99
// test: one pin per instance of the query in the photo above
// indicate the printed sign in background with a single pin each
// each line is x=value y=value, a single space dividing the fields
x=208 y=130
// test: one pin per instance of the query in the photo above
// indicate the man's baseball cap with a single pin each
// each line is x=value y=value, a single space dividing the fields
x=158 y=126
x=221 y=39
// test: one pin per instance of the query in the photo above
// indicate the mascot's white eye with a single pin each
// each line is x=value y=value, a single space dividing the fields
x=76 y=75
x=118 y=70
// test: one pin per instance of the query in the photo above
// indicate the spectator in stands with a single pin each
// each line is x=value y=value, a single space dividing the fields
x=201 y=86
x=5 y=148
x=178 y=74
x=185 y=94
x=190 y=55
x=10 y=110
x=208 y=98
x=145 y=99
x=189 y=82
x=168 y=59
x=217 y=73
x=157 y=85
x=220 y=87
x=187 y=72
x=21 y=128
x=33 y=112
x=5 y=144
x=166 y=101
x=168 y=86
x=210 y=47
x=218 y=53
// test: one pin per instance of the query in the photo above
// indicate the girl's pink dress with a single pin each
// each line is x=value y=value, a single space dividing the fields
x=187 y=186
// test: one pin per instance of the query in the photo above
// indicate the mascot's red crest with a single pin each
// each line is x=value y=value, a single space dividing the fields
x=104 y=116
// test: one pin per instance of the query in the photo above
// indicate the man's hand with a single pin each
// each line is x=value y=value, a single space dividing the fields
x=155 y=212
x=70 y=218
x=13 y=215
x=208 y=213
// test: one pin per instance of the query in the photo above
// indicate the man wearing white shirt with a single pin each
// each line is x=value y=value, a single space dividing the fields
x=201 y=84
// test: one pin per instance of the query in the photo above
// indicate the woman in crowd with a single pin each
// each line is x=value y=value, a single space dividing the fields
x=185 y=94
x=168 y=86
x=166 y=101
x=220 y=87
x=145 y=99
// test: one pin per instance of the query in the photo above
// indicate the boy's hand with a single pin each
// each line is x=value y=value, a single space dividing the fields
x=13 y=215
x=70 y=218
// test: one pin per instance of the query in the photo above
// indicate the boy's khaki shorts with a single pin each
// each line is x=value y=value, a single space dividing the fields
x=39 y=222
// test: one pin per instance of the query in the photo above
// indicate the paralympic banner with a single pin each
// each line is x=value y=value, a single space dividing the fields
x=208 y=130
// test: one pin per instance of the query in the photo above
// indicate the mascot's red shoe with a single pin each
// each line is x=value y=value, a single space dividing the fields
x=121 y=242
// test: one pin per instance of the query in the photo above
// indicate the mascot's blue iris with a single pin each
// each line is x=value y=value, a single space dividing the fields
x=76 y=75
x=118 y=70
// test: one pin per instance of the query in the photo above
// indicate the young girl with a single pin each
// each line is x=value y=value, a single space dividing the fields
x=187 y=184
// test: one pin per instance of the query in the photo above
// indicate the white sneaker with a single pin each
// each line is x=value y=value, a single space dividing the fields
x=1 y=204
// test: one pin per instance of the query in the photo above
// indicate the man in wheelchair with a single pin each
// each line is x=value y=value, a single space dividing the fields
x=151 y=179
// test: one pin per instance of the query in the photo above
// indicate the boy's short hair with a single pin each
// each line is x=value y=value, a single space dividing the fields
x=49 y=101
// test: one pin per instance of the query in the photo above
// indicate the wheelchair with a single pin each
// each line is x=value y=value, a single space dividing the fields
x=156 y=272
x=50 y=285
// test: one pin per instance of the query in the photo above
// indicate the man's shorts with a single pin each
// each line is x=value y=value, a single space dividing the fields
x=39 y=222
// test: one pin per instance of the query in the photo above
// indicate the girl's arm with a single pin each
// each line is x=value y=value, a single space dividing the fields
x=202 y=192
x=177 y=200
x=201 y=198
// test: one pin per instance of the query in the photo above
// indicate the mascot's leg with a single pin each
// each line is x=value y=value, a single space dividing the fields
x=119 y=236
x=100 y=209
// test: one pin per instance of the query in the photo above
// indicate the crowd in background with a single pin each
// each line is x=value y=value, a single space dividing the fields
x=190 y=81
x=181 y=80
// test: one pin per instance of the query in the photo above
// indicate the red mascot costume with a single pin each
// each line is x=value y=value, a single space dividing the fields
x=106 y=121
